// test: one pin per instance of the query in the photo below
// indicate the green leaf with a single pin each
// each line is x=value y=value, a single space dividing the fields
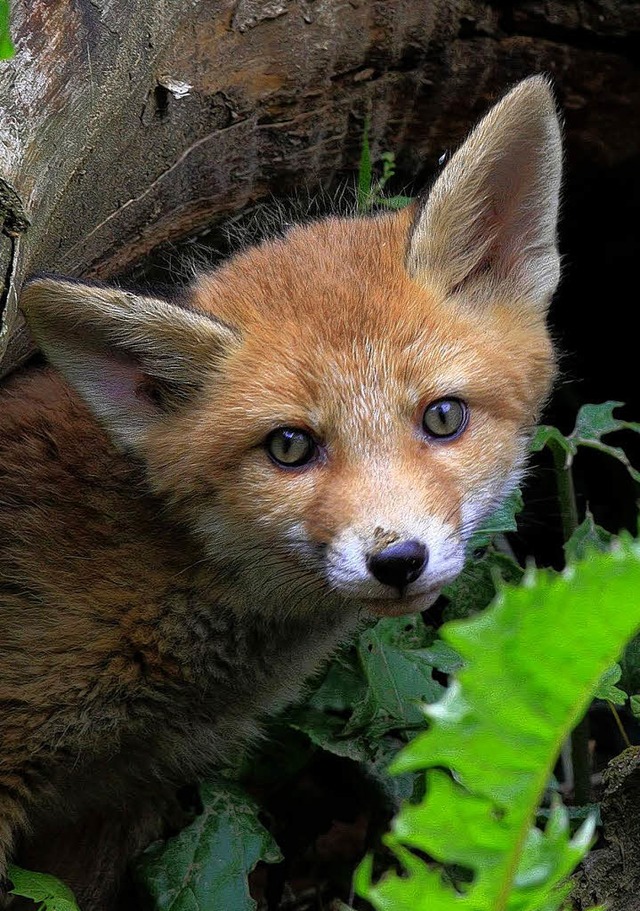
x=329 y=732
x=399 y=679
x=442 y=657
x=593 y=422
x=343 y=685
x=365 y=170
x=205 y=867
x=478 y=583
x=388 y=170
x=7 y=49
x=49 y=893
x=532 y=663
x=634 y=703
x=606 y=688
x=395 y=202
x=499 y=522
x=587 y=536
x=630 y=664
x=577 y=815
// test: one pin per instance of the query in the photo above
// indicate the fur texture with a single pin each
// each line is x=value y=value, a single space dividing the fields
x=164 y=583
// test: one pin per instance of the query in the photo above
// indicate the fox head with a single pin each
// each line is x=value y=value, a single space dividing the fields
x=335 y=411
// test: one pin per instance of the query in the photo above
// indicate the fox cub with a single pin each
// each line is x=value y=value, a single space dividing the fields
x=199 y=500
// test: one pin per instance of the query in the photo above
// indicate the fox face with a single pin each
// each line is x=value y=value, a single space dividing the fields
x=334 y=412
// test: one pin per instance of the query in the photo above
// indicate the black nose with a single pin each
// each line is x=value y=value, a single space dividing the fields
x=399 y=564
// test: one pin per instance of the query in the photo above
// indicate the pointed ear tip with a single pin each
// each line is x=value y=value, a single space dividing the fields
x=33 y=292
x=41 y=287
x=536 y=90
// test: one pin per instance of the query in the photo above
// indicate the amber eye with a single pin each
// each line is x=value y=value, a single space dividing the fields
x=291 y=447
x=445 y=418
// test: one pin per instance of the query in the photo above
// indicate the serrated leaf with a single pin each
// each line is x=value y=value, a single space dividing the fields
x=49 y=893
x=409 y=651
x=606 y=688
x=205 y=867
x=634 y=703
x=532 y=663
x=546 y=435
x=595 y=421
x=592 y=423
x=399 y=680
x=587 y=536
x=499 y=522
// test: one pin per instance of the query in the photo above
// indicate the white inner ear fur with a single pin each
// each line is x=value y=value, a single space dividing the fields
x=487 y=230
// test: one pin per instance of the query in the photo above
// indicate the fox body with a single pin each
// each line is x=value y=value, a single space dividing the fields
x=201 y=499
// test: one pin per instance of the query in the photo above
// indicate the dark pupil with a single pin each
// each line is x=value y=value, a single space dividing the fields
x=443 y=411
x=293 y=447
x=289 y=439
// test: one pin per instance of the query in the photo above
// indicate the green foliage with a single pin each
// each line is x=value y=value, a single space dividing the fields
x=586 y=538
x=365 y=171
x=607 y=688
x=532 y=663
x=7 y=49
x=398 y=677
x=205 y=867
x=375 y=689
x=593 y=422
x=499 y=522
x=630 y=666
x=46 y=891
x=369 y=193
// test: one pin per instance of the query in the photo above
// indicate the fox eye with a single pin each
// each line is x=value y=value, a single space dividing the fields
x=291 y=446
x=445 y=418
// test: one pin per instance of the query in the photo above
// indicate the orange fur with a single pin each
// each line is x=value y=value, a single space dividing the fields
x=163 y=582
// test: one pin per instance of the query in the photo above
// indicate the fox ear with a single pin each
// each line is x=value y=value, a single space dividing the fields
x=132 y=358
x=488 y=227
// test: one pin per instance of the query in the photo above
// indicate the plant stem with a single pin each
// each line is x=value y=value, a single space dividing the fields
x=566 y=492
x=623 y=733
x=570 y=521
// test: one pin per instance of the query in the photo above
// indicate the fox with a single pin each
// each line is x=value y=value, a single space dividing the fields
x=202 y=498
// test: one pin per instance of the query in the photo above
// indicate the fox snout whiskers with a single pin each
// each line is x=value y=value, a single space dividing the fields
x=408 y=566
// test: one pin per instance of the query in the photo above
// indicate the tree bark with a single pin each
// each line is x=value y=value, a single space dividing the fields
x=128 y=123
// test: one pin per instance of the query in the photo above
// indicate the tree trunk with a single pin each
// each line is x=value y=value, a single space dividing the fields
x=128 y=123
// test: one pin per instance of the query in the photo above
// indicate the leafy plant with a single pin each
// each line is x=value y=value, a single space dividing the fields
x=593 y=423
x=7 y=49
x=46 y=891
x=532 y=664
x=369 y=192
x=206 y=865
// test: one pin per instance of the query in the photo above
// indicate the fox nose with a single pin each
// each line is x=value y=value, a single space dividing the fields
x=399 y=564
